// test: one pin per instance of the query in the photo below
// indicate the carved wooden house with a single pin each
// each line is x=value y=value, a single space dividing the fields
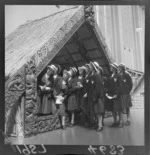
x=68 y=38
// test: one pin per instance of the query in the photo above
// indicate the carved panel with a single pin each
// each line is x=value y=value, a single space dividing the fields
x=14 y=89
x=48 y=123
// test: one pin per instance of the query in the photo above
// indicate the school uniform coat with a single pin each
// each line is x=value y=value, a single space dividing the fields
x=125 y=82
x=46 y=96
x=72 y=100
x=113 y=89
x=59 y=89
x=98 y=93
x=90 y=102
x=80 y=91
x=84 y=101
x=108 y=104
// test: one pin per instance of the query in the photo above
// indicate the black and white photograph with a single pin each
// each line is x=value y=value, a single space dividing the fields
x=74 y=74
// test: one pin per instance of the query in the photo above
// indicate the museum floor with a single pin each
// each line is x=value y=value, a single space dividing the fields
x=128 y=135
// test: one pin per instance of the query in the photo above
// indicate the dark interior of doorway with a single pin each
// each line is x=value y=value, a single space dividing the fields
x=81 y=48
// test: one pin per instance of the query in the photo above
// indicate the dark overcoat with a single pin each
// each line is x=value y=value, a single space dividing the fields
x=72 y=100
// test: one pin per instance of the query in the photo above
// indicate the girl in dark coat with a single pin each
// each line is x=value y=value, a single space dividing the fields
x=90 y=90
x=97 y=95
x=59 y=89
x=80 y=82
x=85 y=100
x=125 y=89
x=72 y=88
x=47 y=106
x=112 y=94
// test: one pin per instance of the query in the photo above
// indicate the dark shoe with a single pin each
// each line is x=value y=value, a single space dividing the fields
x=127 y=123
x=86 y=124
x=94 y=127
x=64 y=127
x=99 y=129
x=71 y=125
x=114 y=125
x=89 y=125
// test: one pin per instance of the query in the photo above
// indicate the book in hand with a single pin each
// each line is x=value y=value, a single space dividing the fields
x=110 y=97
x=44 y=88
x=59 y=99
x=79 y=85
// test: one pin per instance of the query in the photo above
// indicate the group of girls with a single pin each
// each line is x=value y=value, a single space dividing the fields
x=86 y=90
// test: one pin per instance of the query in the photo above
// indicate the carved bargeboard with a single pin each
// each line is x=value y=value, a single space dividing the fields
x=48 y=51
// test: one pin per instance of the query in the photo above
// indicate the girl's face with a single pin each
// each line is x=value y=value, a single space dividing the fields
x=80 y=71
x=87 y=69
x=71 y=73
x=91 y=68
x=65 y=76
x=49 y=71
x=120 y=70
x=112 y=69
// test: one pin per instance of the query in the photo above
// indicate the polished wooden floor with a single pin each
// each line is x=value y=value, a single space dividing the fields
x=128 y=135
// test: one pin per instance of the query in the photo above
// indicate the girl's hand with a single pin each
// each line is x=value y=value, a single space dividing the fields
x=85 y=95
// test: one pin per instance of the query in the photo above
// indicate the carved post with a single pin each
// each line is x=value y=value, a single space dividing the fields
x=31 y=107
x=89 y=15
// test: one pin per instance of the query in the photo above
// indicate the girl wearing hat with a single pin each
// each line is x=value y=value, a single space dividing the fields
x=90 y=93
x=84 y=103
x=46 y=91
x=97 y=97
x=72 y=88
x=112 y=95
x=125 y=89
x=59 y=88
x=103 y=79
